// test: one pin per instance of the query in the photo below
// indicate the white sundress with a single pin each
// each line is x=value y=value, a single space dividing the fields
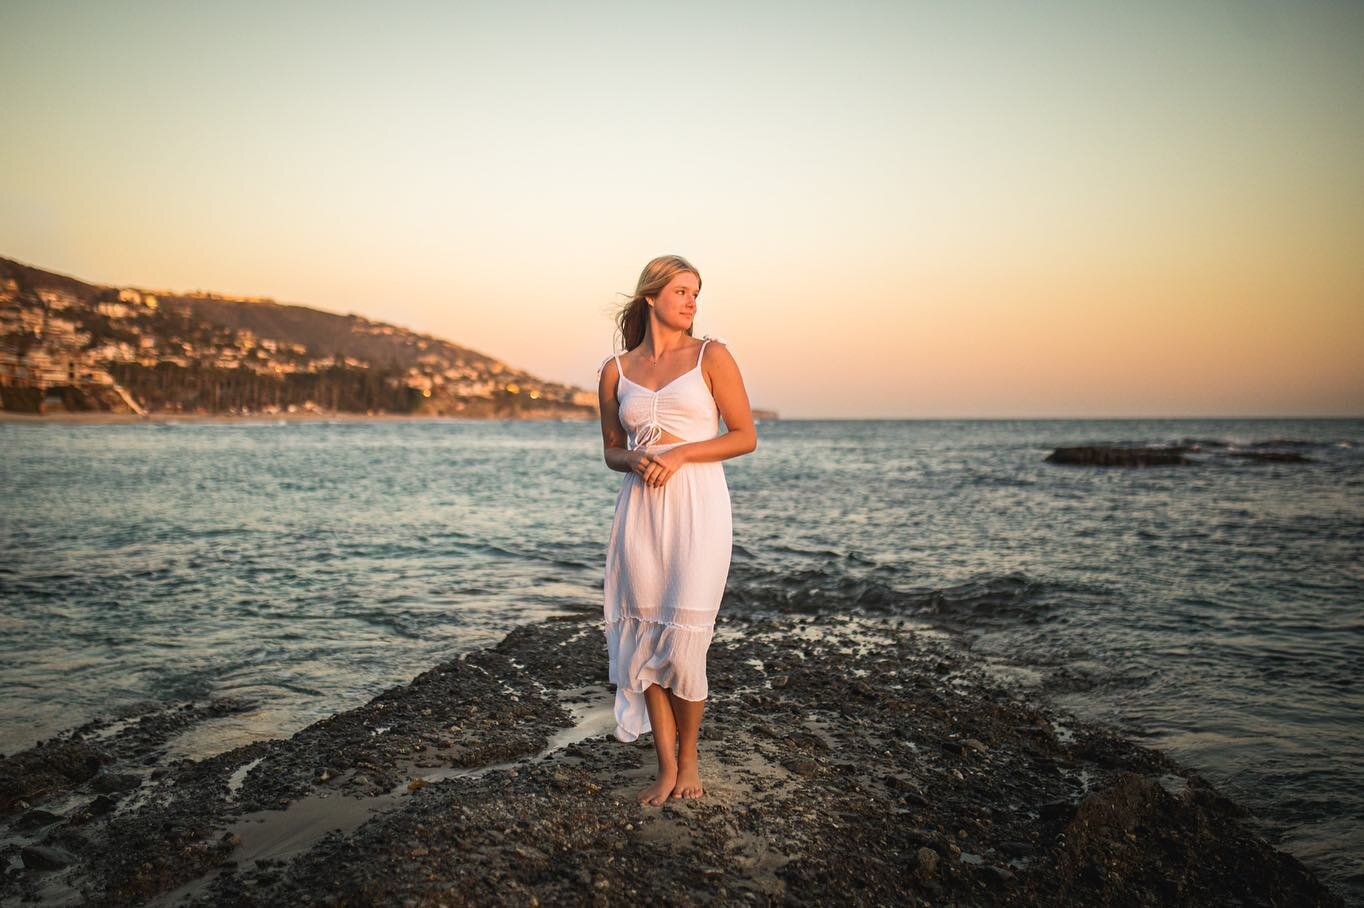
x=668 y=556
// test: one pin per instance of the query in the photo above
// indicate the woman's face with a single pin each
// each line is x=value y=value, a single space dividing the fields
x=675 y=305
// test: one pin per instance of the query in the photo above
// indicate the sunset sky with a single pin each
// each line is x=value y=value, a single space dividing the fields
x=897 y=209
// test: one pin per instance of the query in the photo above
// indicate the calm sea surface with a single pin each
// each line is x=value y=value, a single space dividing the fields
x=1215 y=612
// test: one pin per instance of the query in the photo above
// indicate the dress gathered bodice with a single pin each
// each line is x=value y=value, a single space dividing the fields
x=683 y=408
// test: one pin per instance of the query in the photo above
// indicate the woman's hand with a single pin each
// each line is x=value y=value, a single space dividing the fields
x=659 y=468
x=640 y=462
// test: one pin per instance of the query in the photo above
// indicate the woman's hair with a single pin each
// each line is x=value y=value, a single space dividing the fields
x=633 y=318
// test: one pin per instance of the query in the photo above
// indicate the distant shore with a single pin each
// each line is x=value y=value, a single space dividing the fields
x=102 y=418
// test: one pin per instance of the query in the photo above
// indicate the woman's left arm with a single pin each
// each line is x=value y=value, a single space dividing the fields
x=727 y=387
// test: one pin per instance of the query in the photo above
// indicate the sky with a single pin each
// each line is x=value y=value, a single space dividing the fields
x=898 y=209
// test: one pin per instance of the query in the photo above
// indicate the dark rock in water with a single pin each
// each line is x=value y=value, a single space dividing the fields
x=1099 y=456
x=1286 y=443
x=1272 y=456
x=1124 y=456
x=1015 y=849
x=98 y=807
x=35 y=819
x=1116 y=830
x=44 y=857
x=113 y=782
x=954 y=747
x=47 y=768
x=805 y=741
x=73 y=759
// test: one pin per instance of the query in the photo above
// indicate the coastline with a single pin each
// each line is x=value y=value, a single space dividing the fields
x=840 y=754
x=106 y=418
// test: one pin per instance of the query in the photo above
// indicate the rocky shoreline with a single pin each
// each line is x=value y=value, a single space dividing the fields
x=846 y=758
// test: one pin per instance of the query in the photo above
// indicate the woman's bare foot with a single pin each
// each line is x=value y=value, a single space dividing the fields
x=688 y=781
x=657 y=793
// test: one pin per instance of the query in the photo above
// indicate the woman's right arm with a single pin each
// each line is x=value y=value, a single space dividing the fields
x=613 y=436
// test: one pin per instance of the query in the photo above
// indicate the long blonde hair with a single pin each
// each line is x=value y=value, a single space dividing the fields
x=633 y=318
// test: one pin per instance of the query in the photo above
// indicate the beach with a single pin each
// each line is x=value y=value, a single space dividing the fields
x=844 y=758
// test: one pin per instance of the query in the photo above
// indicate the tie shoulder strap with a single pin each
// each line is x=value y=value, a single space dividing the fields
x=707 y=340
x=702 y=352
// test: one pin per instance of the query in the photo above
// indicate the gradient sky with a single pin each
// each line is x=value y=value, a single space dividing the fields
x=897 y=209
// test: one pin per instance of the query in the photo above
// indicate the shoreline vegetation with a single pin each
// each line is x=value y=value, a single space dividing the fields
x=844 y=757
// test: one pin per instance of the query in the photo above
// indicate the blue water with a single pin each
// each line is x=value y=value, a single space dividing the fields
x=1211 y=611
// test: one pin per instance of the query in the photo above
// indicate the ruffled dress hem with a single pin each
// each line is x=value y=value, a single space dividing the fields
x=653 y=652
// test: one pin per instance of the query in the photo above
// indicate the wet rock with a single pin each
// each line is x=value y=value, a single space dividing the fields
x=1272 y=456
x=894 y=818
x=1105 y=456
x=1117 y=456
x=115 y=782
x=100 y=806
x=926 y=862
x=48 y=768
x=1015 y=849
x=44 y=857
x=35 y=819
x=806 y=741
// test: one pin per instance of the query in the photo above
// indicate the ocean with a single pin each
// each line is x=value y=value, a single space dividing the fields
x=1211 y=611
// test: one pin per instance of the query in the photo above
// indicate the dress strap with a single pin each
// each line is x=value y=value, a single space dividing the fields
x=703 y=351
x=605 y=361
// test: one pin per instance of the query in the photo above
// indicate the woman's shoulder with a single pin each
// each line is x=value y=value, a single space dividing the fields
x=605 y=362
x=714 y=346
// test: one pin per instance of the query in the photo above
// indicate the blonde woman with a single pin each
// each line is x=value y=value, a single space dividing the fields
x=669 y=550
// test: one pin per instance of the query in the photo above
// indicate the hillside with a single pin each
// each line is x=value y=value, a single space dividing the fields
x=68 y=345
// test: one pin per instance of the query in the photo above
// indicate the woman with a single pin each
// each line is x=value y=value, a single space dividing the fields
x=669 y=549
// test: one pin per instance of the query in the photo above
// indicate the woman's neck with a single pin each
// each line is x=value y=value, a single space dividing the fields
x=656 y=347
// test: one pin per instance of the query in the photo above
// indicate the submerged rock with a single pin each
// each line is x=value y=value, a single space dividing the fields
x=1100 y=456
x=1120 y=456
